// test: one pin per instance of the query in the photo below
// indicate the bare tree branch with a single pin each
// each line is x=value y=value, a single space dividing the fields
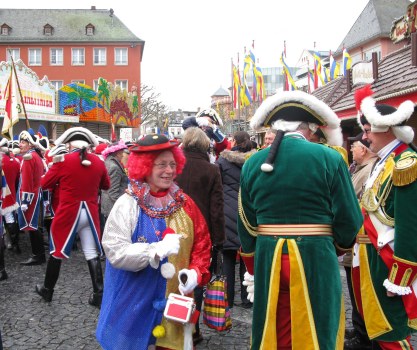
x=154 y=111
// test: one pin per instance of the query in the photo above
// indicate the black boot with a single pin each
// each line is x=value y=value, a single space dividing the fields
x=51 y=277
x=354 y=341
x=96 y=274
x=13 y=230
x=38 y=252
x=3 y=273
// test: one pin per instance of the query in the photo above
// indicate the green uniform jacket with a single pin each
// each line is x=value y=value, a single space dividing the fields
x=395 y=189
x=310 y=184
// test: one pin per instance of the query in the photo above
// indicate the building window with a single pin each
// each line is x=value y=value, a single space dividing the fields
x=57 y=57
x=35 y=57
x=47 y=29
x=57 y=83
x=89 y=29
x=79 y=81
x=100 y=57
x=5 y=29
x=15 y=53
x=78 y=57
x=95 y=85
x=121 y=83
x=120 y=57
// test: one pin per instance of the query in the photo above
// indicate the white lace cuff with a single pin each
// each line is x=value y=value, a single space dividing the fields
x=393 y=288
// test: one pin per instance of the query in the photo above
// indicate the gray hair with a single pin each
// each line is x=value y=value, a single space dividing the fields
x=271 y=131
x=195 y=138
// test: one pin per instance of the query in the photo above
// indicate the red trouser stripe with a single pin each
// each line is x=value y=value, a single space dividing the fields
x=284 y=307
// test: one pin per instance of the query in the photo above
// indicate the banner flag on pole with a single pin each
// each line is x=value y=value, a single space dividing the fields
x=236 y=87
x=13 y=106
x=246 y=98
x=286 y=84
x=318 y=69
x=288 y=73
x=347 y=61
x=334 y=68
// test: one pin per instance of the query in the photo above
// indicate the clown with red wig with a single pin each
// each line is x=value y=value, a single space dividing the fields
x=154 y=235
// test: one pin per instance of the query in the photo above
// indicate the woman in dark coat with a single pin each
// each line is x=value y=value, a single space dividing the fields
x=201 y=180
x=230 y=163
x=113 y=156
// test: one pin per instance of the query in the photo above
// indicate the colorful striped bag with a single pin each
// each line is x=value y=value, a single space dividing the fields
x=216 y=312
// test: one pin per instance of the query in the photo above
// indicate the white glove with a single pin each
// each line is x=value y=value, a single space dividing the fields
x=202 y=121
x=188 y=281
x=249 y=282
x=24 y=207
x=168 y=246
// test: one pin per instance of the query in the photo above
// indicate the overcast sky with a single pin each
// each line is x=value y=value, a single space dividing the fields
x=189 y=44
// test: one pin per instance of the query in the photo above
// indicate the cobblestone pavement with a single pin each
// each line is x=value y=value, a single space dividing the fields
x=69 y=322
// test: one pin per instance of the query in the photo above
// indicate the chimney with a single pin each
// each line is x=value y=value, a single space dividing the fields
x=93 y=7
x=375 y=66
x=414 y=49
x=348 y=78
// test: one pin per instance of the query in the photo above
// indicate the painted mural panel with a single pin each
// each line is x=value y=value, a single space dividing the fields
x=110 y=104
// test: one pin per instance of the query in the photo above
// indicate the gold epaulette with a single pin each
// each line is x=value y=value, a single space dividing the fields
x=342 y=151
x=405 y=170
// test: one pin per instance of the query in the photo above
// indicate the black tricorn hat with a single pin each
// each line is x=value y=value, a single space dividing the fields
x=381 y=117
x=77 y=133
x=212 y=114
x=295 y=106
x=153 y=142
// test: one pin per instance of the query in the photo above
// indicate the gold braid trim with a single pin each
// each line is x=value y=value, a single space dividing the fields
x=405 y=261
x=412 y=323
x=373 y=199
x=246 y=255
x=405 y=170
x=393 y=272
x=252 y=230
x=406 y=277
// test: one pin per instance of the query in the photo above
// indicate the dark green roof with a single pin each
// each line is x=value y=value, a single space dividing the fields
x=27 y=25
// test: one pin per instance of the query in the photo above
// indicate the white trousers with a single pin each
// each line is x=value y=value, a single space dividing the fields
x=88 y=244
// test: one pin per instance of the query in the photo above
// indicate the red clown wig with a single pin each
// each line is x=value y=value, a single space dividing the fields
x=140 y=164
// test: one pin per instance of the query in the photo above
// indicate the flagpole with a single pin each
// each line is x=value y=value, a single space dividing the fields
x=244 y=90
x=238 y=95
x=20 y=93
x=316 y=76
x=233 y=92
x=254 y=83
x=286 y=84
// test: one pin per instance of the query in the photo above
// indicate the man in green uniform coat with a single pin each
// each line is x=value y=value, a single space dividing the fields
x=294 y=215
x=385 y=256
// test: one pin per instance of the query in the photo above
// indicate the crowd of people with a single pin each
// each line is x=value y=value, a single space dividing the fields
x=167 y=215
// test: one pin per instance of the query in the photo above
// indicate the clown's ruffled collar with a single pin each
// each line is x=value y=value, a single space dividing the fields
x=156 y=206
